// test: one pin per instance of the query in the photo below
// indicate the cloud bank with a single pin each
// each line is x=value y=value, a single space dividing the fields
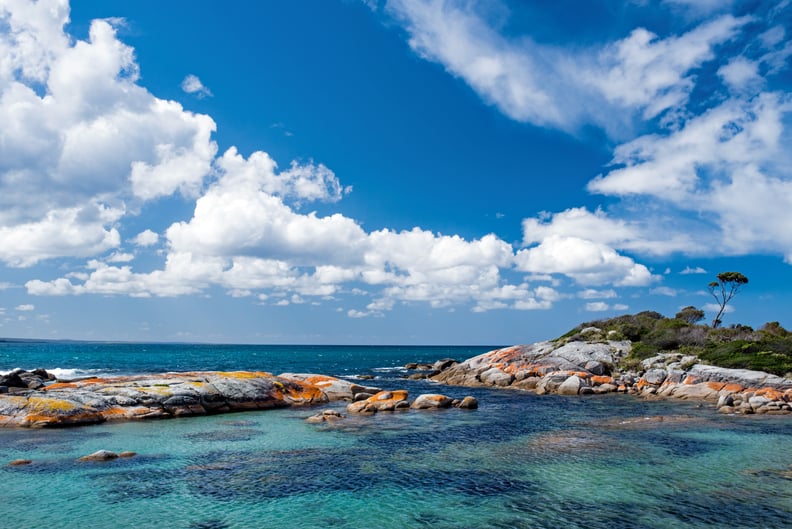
x=84 y=146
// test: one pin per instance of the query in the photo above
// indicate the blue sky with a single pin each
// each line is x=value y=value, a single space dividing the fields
x=401 y=171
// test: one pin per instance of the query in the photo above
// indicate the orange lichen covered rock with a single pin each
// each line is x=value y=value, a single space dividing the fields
x=334 y=388
x=382 y=401
x=97 y=400
x=598 y=380
x=431 y=400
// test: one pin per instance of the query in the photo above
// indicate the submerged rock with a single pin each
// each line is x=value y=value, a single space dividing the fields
x=325 y=416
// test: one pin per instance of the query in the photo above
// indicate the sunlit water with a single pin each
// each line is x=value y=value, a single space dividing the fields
x=518 y=461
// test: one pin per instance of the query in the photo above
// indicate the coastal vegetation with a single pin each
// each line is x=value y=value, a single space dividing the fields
x=768 y=348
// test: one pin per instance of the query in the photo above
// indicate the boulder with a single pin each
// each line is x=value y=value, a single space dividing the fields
x=655 y=377
x=571 y=386
x=496 y=377
x=444 y=364
x=431 y=401
x=744 y=377
x=596 y=368
x=100 y=455
x=334 y=388
x=467 y=403
x=550 y=383
x=382 y=401
x=19 y=462
x=13 y=380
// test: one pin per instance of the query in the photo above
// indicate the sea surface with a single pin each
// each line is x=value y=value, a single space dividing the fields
x=519 y=461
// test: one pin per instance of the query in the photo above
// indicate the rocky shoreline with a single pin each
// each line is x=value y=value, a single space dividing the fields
x=581 y=368
x=35 y=399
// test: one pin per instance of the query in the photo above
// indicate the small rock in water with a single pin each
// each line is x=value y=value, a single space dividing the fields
x=431 y=400
x=127 y=453
x=468 y=403
x=19 y=462
x=100 y=455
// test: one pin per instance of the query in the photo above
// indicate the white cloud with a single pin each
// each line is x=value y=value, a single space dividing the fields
x=697 y=270
x=79 y=231
x=146 y=238
x=25 y=308
x=714 y=308
x=585 y=261
x=193 y=85
x=739 y=73
x=597 y=306
x=120 y=257
x=620 y=306
x=664 y=291
x=645 y=235
x=727 y=166
x=548 y=85
x=591 y=293
x=643 y=71
x=248 y=234
x=81 y=137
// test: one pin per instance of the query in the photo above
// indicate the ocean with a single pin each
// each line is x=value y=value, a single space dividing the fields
x=519 y=461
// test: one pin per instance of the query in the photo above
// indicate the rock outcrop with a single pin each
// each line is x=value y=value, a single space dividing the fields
x=334 y=388
x=398 y=400
x=96 y=400
x=579 y=368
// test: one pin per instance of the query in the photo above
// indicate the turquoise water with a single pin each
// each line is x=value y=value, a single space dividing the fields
x=518 y=461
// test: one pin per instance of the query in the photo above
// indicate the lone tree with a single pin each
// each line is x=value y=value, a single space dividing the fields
x=690 y=314
x=724 y=289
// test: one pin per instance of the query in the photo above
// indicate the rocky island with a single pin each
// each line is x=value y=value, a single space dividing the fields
x=663 y=359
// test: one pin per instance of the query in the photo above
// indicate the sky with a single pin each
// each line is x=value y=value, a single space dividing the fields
x=389 y=172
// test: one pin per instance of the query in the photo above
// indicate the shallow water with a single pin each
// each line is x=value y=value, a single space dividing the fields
x=518 y=461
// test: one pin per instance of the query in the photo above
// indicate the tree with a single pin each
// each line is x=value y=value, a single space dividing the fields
x=690 y=314
x=724 y=289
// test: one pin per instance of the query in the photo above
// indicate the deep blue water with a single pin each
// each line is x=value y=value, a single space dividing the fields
x=518 y=461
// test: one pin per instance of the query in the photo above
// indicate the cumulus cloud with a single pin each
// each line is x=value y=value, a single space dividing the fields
x=597 y=306
x=81 y=138
x=146 y=238
x=25 y=308
x=102 y=146
x=193 y=85
x=587 y=262
x=693 y=270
